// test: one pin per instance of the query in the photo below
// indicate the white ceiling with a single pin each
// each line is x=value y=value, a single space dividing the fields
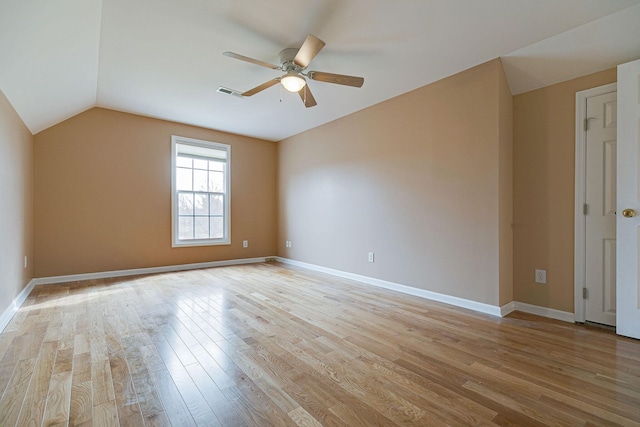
x=163 y=58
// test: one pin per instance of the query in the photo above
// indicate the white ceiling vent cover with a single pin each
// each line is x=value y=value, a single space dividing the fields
x=228 y=91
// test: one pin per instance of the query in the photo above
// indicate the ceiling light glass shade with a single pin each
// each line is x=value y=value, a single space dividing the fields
x=293 y=82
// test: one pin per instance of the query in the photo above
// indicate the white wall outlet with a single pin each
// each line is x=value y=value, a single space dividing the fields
x=25 y=261
x=245 y=243
x=541 y=276
x=287 y=244
x=370 y=256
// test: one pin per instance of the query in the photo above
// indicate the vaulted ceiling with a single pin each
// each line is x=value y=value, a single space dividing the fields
x=163 y=58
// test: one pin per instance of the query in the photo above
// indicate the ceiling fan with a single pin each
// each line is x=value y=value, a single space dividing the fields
x=294 y=62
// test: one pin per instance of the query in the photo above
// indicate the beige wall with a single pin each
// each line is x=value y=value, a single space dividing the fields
x=544 y=180
x=417 y=180
x=16 y=204
x=430 y=181
x=102 y=195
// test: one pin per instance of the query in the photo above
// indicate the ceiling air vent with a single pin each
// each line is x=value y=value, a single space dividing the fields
x=228 y=91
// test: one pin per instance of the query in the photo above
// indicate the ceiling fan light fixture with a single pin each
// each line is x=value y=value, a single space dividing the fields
x=293 y=82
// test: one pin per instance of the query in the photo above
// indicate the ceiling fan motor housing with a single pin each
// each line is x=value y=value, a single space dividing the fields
x=286 y=59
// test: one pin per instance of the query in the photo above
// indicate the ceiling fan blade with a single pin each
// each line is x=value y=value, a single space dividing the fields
x=340 y=79
x=310 y=48
x=262 y=87
x=307 y=97
x=251 y=60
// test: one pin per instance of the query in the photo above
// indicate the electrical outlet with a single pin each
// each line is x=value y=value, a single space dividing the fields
x=541 y=276
x=287 y=244
x=25 y=261
x=245 y=243
x=370 y=256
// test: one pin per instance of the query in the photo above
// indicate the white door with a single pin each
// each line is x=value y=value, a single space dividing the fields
x=600 y=221
x=628 y=238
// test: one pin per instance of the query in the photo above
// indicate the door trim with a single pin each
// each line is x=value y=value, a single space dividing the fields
x=580 y=244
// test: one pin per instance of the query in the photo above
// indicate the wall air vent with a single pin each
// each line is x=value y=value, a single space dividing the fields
x=228 y=91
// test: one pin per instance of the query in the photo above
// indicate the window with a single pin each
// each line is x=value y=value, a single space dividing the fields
x=199 y=192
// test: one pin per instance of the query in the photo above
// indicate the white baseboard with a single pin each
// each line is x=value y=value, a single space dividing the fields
x=435 y=296
x=410 y=290
x=509 y=307
x=151 y=270
x=8 y=314
x=545 y=312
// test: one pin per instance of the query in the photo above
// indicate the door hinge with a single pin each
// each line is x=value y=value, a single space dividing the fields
x=585 y=123
x=585 y=209
x=584 y=293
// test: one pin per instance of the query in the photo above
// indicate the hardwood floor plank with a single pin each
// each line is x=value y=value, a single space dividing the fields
x=527 y=406
x=190 y=394
x=151 y=358
x=31 y=413
x=207 y=420
x=157 y=420
x=5 y=341
x=175 y=408
x=122 y=383
x=101 y=382
x=448 y=380
x=225 y=411
x=150 y=403
x=313 y=397
x=81 y=368
x=130 y=415
x=302 y=418
x=58 y=399
x=35 y=398
x=10 y=359
x=81 y=344
x=64 y=360
x=81 y=410
x=430 y=395
x=105 y=415
x=98 y=346
x=255 y=406
x=318 y=395
x=13 y=398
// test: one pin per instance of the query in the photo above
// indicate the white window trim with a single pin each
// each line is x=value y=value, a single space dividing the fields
x=175 y=242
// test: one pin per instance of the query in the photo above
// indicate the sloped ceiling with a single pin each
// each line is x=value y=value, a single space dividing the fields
x=164 y=58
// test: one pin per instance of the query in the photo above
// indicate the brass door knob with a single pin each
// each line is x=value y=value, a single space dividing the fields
x=628 y=213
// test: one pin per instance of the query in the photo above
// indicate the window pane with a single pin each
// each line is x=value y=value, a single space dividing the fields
x=216 y=182
x=185 y=228
x=201 y=204
x=199 y=164
x=185 y=203
x=217 y=227
x=184 y=162
x=217 y=204
x=199 y=180
x=202 y=227
x=216 y=166
x=183 y=179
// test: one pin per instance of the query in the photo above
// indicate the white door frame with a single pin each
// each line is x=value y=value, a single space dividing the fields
x=580 y=245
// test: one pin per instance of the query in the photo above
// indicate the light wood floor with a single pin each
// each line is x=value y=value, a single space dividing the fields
x=263 y=345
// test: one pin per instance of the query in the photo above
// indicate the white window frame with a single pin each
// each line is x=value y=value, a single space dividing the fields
x=226 y=239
